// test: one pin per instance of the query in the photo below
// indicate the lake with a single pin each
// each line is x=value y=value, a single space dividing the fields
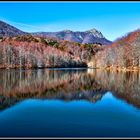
x=69 y=103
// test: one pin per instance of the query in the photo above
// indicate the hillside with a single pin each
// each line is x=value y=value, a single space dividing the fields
x=28 y=51
x=19 y=49
x=124 y=54
x=88 y=37
x=9 y=31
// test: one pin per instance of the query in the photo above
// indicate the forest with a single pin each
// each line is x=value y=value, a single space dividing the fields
x=27 y=51
x=123 y=54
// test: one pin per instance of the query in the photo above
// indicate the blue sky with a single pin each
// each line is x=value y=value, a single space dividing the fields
x=113 y=19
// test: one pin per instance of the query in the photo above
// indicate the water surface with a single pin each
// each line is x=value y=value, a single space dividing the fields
x=69 y=103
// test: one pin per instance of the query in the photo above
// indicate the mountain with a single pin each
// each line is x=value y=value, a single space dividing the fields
x=123 y=54
x=92 y=36
x=88 y=37
x=8 y=30
x=19 y=49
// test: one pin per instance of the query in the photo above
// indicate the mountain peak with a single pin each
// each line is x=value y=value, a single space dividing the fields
x=85 y=37
x=92 y=30
x=67 y=31
x=95 y=33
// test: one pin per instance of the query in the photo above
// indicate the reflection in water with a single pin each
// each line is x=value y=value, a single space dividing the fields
x=124 y=85
x=87 y=84
x=47 y=84
x=84 y=103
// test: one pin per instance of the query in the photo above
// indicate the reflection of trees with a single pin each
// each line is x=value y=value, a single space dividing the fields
x=17 y=85
x=124 y=85
x=91 y=85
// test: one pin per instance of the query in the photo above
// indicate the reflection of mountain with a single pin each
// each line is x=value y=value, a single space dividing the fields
x=67 y=85
x=123 y=85
x=47 y=84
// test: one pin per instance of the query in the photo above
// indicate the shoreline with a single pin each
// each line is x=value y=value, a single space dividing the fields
x=37 y=68
x=119 y=69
